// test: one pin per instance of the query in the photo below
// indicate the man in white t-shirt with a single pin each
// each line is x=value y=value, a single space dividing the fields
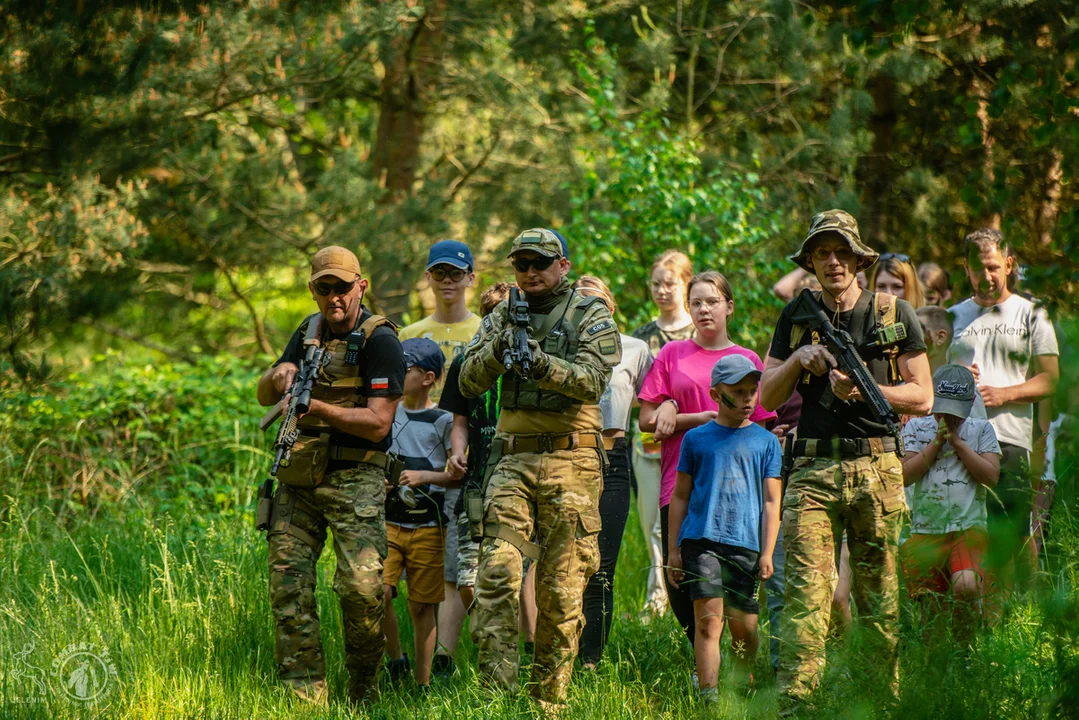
x=1014 y=348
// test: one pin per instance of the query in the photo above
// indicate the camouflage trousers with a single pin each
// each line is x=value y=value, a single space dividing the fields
x=557 y=495
x=351 y=503
x=865 y=496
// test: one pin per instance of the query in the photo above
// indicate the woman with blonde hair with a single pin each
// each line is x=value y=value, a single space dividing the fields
x=616 y=406
x=894 y=274
x=669 y=284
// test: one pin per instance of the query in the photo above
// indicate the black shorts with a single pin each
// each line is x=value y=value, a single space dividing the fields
x=718 y=570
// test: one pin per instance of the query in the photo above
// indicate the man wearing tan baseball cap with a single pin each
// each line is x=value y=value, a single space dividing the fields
x=335 y=478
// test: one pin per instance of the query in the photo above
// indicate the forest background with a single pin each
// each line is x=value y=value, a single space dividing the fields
x=168 y=169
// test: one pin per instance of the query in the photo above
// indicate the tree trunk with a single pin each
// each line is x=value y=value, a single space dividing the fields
x=877 y=171
x=1049 y=208
x=413 y=71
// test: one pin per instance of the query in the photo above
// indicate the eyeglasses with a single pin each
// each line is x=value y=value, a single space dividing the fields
x=708 y=303
x=440 y=272
x=894 y=256
x=322 y=289
x=842 y=254
x=540 y=263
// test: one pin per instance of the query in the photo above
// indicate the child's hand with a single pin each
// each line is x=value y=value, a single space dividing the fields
x=952 y=424
x=767 y=569
x=674 y=567
x=666 y=421
x=942 y=434
x=457 y=466
x=412 y=478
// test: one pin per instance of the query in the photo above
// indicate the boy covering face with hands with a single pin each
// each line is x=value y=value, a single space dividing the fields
x=724 y=519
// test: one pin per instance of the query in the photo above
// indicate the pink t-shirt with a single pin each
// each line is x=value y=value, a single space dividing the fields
x=683 y=371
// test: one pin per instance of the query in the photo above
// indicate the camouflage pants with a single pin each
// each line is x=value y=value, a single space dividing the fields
x=557 y=494
x=824 y=496
x=351 y=503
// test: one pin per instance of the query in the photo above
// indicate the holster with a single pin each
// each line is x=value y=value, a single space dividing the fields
x=394 y=468
x=787 y=464
x=264 y=506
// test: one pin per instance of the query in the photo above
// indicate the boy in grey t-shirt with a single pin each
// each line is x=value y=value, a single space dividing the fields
x=951 y=458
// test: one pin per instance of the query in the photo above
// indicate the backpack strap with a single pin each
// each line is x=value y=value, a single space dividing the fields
x=884 y=315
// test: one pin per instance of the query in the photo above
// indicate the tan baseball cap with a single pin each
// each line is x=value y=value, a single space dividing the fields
x=337 y=261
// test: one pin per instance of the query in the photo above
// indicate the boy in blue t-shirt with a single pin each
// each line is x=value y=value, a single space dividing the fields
x=724 y=519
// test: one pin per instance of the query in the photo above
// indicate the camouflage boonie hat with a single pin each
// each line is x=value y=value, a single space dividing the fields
x=539 y=240
x=843 y=223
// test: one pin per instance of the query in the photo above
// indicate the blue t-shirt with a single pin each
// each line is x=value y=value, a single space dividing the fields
x=728 y=467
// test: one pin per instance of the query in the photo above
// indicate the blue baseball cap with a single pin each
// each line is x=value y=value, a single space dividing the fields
x=731 y=369
x=425 y=354
x=565 y=247
x=450 y=252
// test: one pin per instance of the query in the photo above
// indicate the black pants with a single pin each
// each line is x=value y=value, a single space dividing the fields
x=679 y=598
x=599 y=594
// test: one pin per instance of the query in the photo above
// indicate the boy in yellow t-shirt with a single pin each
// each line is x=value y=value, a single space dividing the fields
x=449 y=275
x=452 y=325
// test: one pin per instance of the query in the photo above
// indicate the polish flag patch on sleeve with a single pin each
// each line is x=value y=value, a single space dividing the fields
x=380 y=383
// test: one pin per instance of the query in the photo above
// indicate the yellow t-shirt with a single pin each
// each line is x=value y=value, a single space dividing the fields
x=451 y=337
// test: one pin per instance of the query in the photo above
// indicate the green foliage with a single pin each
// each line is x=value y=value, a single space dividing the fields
x=648 y=191
x=176 y=435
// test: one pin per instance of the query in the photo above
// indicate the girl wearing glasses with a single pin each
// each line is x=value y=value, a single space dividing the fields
x=676 y=398
x=669 y=282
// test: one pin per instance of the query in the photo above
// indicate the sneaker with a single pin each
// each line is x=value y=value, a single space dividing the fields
x=695 y=681
x=708 y=696
x=442 y=668
x=399 y=670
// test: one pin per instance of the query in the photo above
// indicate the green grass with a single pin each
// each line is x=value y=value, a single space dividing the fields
x=184 y=612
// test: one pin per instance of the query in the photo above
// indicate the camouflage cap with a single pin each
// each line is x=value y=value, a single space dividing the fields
x=842 y=223
x=540 y=240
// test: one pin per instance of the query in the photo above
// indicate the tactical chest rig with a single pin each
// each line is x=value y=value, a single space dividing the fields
x=886 y=333
x=557 y=338
x=338 y=383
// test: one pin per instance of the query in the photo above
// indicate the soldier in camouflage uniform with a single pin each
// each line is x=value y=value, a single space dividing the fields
x=846 y=474
x=545 y=467
x=336 y=480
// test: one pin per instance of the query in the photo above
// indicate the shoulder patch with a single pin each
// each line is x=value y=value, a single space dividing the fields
x=475 y=339
x=488 y=326
x=599 y=327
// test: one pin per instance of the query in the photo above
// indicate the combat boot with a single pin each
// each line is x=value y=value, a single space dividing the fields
x=314 y=692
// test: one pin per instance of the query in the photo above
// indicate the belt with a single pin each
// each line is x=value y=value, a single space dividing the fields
x=844 y=448
x=549 y=443
x=610 y=443
x=371 y=457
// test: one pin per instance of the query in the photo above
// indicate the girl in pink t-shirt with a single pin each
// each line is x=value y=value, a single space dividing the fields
x=682 y=373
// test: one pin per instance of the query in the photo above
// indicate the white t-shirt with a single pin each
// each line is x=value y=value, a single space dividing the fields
x=1003 y=340
x=946 y=499
x=626 y=380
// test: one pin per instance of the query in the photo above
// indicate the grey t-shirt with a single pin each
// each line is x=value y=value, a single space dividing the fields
x=1003 y=340
x=626 y=380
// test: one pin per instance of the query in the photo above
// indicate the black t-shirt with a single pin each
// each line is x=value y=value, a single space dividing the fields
x=853 y=420
x=482 y=414
x=382 y=365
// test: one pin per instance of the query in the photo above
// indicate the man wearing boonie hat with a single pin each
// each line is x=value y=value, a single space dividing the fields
x=544 y=470
x=335 y=479
x=724 y=521
x=951 y=459
x=845 y=473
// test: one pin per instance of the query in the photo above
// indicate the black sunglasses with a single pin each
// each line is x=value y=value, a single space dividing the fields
x=541 y=263
x=341 y=287
x=894 y=256
x=439 y=273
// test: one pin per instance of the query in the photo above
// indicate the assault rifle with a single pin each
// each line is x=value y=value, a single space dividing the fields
x=807 y=311
x=519 y=354
x=298 y=398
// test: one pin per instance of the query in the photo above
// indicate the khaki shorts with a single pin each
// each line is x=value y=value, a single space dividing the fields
x=419 y=553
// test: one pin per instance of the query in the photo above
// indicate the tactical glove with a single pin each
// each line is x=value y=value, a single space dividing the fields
x=541 y=363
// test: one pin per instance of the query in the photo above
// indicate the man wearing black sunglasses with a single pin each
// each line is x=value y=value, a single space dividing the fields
x=335 y=480
x=544 y=468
